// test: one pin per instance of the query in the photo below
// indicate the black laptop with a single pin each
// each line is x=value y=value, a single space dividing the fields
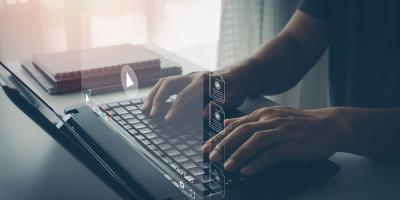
x=140 y=158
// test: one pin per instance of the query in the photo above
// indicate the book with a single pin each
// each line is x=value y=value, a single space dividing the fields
x=95 y=62
x=108 y=82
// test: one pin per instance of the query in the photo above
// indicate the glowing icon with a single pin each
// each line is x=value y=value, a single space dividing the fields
x=129 y=81
x=216 y=117
x=217 y=87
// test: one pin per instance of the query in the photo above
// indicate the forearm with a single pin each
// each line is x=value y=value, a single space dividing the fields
x=374 y=133
x=274 y=68
x=279 y=64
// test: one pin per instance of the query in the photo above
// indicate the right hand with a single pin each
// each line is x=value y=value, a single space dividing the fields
x=190 y=95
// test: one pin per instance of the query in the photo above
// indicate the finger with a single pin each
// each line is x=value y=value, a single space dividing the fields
x=168 y=87
x=215 y=140
x=149 y=99
x=229 y=121
x=271 y=156
x=186 y=98
x=257 y=143
x=232 y=141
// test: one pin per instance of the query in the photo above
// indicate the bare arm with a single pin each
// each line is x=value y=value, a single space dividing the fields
x=280 y=63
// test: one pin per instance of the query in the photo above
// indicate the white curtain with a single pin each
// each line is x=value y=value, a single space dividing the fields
x=245 y=25
x=28 y=27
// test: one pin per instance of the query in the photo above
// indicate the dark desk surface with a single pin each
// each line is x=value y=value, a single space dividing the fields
x=33 y=166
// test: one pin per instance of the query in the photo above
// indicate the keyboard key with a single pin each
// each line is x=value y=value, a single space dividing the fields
x=136 y=101
x=199 y=148
x=127 y=116
x=165 y=146
x=198 y=158
x=173 y=140
x=111 y=105
x=188 y=165
x=140 y=137
x=117 y=118
x=192 y=142
x=129 y=108
x=125 y=103
x=205 y=179
x=184 y=136
x=189 y=152
x=151 y=135
x=159 y=153
x=136 y=112
x=132 y=131
x=120 y=110
x=139 y=126
x=182 y=146
x=146 y=121
x=132 y=121
x=152 y=147
x=141 y=116
x=146 y=142
x=122 y=122
x=190 y=178
x=158 y=141
x=145 y=130
x=127 y=127
x=152 y=126
x=165 y=135
x=197 y=171
x=172 y=152
x=166 y=160
x=180 y=158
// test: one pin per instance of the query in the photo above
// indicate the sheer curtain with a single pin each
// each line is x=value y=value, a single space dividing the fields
x=245 y=25
x=188 y=27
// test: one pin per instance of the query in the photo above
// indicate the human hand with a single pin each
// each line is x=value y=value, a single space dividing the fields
x=275 y=134
x=190 y=95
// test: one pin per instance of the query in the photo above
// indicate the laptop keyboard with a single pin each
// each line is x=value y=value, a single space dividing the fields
x=180 y=150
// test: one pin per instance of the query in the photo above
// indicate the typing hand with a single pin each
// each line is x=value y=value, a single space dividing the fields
x=190 y=96
x=275 y=134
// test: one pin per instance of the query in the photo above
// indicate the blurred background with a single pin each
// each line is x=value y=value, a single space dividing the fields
x=210 y=33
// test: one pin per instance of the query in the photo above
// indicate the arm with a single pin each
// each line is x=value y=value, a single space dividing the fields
x=279 y=64
x=275 y=67
x=276 y=134
x=374 y=133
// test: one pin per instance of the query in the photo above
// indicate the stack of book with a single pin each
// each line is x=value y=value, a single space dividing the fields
x=97 y=68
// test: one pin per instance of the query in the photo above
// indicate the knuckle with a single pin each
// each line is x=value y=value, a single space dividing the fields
x=244 y=127
x=279 y=120
x=258 y=135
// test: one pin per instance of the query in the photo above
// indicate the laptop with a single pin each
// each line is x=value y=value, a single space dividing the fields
x=140 y=158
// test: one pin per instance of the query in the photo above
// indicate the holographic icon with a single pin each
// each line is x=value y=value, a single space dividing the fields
x=217 y=87
x=129 y=82
x=218 y=185
x=216 y=117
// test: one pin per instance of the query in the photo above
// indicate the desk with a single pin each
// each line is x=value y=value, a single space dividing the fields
x=34 y=166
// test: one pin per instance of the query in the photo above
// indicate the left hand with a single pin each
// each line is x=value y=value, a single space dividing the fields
x=275 y=134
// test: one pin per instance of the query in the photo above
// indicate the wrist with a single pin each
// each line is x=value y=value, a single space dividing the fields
x=241 y=76
x=343 y=122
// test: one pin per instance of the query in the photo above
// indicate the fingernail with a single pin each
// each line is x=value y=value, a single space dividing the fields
x=153 y=111
x=167 y=116
x=214 y=156
x=229 y=165
x=246 y=170
x=206 y=147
